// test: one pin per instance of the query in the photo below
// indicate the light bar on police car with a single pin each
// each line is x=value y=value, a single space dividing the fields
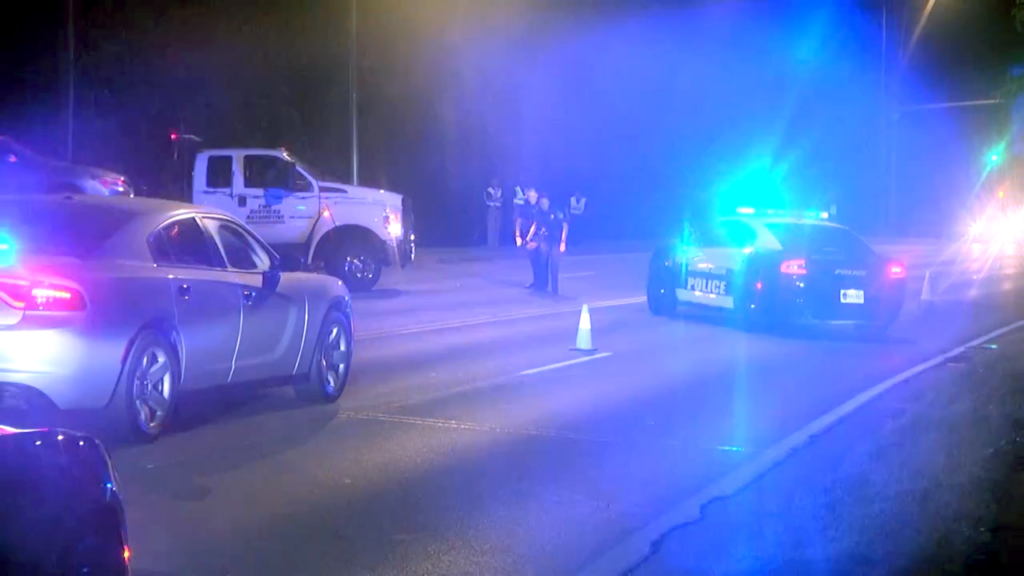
x=811 y=214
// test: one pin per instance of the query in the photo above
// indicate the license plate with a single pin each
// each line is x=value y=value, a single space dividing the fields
x=851 y=296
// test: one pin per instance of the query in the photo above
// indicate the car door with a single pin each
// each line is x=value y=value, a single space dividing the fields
x=714 y=271
x=208 y=302
x=212 y=185
x=281 y=203
x=273 y=317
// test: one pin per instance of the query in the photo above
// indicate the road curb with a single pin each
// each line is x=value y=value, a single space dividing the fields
x=632 y=552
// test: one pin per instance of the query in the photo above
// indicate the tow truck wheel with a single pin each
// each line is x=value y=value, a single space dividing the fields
x=356 y=264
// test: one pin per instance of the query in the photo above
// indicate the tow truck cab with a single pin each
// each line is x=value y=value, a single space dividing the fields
x=352 y=232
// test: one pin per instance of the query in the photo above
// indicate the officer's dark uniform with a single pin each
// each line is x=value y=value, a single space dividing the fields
x=548 y=234
x=524 y=223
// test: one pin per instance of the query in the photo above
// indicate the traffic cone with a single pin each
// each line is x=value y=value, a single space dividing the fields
x=583 y=338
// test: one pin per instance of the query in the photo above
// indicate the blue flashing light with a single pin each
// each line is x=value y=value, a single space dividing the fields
x=815 y=214
x=6 y=250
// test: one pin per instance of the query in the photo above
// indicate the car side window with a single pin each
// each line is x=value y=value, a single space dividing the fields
x=241 y=250
x=262 y=171
x=300 y=183
x=218 y=171
x=725 y=234
x=182 y=242
x=738 y=234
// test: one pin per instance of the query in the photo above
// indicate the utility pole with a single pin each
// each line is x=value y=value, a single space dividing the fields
x=887 y=152
x=891 y=92
x=353 y=97
x=71 y=80
x=918 y=29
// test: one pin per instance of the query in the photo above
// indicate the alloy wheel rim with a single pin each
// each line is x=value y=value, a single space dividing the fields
x=334 y=358
x=152 y=389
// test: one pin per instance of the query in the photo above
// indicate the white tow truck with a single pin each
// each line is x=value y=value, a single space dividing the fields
x=351 y=232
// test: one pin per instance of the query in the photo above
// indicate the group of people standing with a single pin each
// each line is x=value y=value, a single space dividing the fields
x=539 y=227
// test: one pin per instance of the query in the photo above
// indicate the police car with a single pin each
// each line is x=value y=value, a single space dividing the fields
x=778 y=267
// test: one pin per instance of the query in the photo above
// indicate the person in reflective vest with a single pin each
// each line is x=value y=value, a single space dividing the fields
x=577 y=207
x=525 y=206
x=492 y=197
x=547 y=238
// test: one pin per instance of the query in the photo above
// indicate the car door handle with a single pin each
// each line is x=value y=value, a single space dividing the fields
x=184 y=291
x=248 y=296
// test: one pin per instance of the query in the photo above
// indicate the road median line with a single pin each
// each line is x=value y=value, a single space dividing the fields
x=562 y=364
x=495 y=318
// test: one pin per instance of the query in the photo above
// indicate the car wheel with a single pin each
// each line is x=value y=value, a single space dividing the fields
x=661 y=298
x=356 y=264
x=147 y=393
x=332 y=361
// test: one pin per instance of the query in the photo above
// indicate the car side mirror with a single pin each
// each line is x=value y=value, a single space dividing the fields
x=290 y=263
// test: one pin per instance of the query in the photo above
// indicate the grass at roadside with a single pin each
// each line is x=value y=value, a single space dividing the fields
x=928 y=479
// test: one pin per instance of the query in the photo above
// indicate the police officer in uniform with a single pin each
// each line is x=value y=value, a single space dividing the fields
x=492 y=197
x=518 y=201
x=548 y=236
x=524 y=224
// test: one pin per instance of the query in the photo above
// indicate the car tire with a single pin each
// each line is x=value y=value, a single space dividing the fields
x=661 y=297
x=147 y=393
x=332 y=361
x=356 y=264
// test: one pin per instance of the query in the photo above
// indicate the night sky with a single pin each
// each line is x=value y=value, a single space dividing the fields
x=644 y=105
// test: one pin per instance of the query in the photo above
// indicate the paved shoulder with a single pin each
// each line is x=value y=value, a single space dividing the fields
x=919 y=482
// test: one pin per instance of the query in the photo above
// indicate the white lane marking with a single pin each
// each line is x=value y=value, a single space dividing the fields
x=628 y=554
x=455 y=424
x=566 y=363
x=497 y=318
x=578 y=274
x=609 y=255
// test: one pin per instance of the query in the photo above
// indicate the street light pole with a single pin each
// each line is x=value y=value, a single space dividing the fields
x=71 y=80
x=918 y=29
x=353 y=98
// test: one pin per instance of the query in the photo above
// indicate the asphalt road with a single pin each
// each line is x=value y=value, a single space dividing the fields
x=473 y=440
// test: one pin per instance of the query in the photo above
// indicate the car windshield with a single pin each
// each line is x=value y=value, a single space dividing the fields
x=47 y=228
x=316 y=173
x=818 y=239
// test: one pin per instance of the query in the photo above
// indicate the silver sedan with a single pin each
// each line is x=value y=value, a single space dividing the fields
x=124 y=303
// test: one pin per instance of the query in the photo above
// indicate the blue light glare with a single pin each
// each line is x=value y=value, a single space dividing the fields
x=6 y=250
x=707 y=106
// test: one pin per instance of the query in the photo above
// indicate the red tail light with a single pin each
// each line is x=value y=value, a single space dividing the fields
x=29 y=295
x=896 y=270
x=797 y=266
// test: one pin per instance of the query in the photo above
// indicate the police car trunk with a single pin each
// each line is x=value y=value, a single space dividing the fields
x=828 y=274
